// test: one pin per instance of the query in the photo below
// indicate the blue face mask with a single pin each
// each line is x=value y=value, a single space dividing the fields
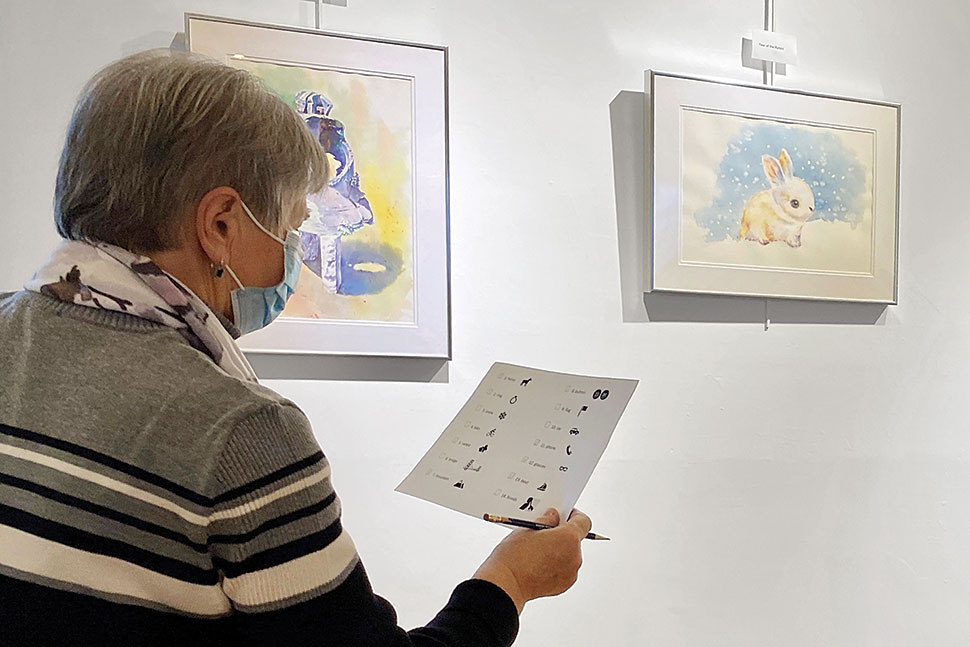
x=254 y=308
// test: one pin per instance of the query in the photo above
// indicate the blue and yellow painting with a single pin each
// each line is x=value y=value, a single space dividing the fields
x=764 y=193
x=359 y=263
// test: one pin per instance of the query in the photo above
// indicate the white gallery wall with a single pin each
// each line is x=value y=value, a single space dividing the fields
x=804 y=485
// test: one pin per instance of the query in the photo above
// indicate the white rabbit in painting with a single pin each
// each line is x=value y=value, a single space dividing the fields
x=778 y=213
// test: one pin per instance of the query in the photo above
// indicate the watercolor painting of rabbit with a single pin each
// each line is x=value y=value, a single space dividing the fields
x=762 y=192
x=780 y=212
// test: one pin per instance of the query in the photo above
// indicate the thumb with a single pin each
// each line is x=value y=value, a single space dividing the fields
x=550 y=517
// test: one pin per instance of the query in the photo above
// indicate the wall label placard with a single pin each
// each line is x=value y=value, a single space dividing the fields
x=772 y=46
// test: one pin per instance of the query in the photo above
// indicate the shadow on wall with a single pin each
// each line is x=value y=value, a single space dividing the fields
x=627 y=127
x=154 y=40
x=271 y=366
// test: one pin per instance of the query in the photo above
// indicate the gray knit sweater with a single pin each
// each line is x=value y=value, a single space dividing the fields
x=148 y=498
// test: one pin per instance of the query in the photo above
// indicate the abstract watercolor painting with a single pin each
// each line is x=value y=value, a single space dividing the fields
x=764 y=192
x=360 y=249
x=376 y=276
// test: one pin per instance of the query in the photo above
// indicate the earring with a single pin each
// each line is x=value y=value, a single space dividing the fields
x=218 y=270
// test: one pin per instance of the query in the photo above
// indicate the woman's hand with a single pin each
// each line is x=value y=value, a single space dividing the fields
x=530 y=564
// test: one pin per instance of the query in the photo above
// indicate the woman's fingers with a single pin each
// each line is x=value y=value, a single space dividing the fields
x=550 y=517
x=580 y=522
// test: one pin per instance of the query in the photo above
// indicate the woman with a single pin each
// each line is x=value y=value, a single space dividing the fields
x=151 y=491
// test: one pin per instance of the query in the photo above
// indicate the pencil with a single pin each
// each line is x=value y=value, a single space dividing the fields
x=532 y=525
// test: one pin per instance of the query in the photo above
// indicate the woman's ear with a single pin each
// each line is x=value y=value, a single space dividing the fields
x=217 y=223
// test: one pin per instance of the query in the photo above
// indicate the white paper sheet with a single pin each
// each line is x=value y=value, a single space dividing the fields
x=527 y=440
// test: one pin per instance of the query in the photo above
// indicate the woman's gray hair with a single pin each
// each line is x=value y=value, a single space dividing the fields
x=154 y=132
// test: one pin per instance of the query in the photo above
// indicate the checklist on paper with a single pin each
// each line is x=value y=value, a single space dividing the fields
x=527 y=440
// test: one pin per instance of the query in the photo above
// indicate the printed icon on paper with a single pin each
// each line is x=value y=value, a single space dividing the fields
x=542 y=488
x=601 y=394
x=514 y=399
x=563 y=468
x=596 y=394
x=526 y=382
x=460 y=485
x=569 y=450
x=483 y=449
x=574 y=431
x=582 y=410
x=527 y=505
x=490 y=433
x=503 y=416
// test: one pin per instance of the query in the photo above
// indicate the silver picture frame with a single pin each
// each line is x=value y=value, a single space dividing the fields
x=409 y=318
x=725 y=162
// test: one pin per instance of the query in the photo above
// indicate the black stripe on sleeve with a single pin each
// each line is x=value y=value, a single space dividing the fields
x=102 y=511
x=243 y=537
x=155 y=479
x=263 y=481
x=93 y=543
x=281 y=554
x=162 y=531
x=107 y=461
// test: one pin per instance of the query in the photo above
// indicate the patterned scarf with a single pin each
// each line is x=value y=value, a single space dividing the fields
x=103 y=276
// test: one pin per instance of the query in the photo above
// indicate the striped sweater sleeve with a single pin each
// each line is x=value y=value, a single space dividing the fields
x=290 y=569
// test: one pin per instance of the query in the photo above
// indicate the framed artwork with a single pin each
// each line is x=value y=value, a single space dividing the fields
x=376 y=276
x=760 y=191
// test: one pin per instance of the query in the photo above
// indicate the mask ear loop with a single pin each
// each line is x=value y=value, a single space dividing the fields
x=220 y=269
x=264 y=230
x=234 y=277
x=260 y=225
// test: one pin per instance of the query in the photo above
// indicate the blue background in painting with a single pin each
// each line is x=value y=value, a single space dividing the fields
x=355 y=282
x=820 y=158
